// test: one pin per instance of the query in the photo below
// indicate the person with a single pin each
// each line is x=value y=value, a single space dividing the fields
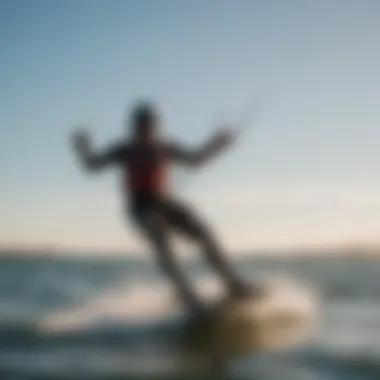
x=144 y=158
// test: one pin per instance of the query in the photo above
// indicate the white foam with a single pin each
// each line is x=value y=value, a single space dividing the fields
x=135 y=303
x=147 y=301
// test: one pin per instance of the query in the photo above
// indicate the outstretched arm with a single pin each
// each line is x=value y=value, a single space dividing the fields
x=204 y=153
x=91 y=160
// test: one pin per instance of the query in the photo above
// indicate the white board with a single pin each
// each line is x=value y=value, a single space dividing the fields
x=282 y=316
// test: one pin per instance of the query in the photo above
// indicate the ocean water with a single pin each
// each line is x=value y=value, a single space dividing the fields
x=110 y=319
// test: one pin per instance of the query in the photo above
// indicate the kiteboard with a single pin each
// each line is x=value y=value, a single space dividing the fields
x=280 y=316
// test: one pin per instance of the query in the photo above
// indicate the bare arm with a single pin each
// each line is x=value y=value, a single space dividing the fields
x=203 y=154
x=94 y=161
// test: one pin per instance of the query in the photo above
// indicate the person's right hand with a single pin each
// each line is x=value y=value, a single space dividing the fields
x=81 y=140
x=225 y=137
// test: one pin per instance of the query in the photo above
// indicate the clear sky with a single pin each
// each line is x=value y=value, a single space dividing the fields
x=307 y=173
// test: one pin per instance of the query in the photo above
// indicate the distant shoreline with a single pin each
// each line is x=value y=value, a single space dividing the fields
x=46 y=252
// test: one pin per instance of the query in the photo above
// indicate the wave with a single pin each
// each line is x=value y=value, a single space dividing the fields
x=125 y=364
x=137 y=302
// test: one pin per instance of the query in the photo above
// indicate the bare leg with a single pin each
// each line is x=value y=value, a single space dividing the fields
x=158 y=236
x=217 y=259
x=187 y=222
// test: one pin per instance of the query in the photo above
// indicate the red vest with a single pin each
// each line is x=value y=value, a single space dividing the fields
x=146 y=170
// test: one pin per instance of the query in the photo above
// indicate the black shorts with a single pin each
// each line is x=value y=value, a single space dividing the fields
x=166 y=211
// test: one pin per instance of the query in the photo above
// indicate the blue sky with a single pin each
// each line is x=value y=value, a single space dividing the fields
x=305 y=174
